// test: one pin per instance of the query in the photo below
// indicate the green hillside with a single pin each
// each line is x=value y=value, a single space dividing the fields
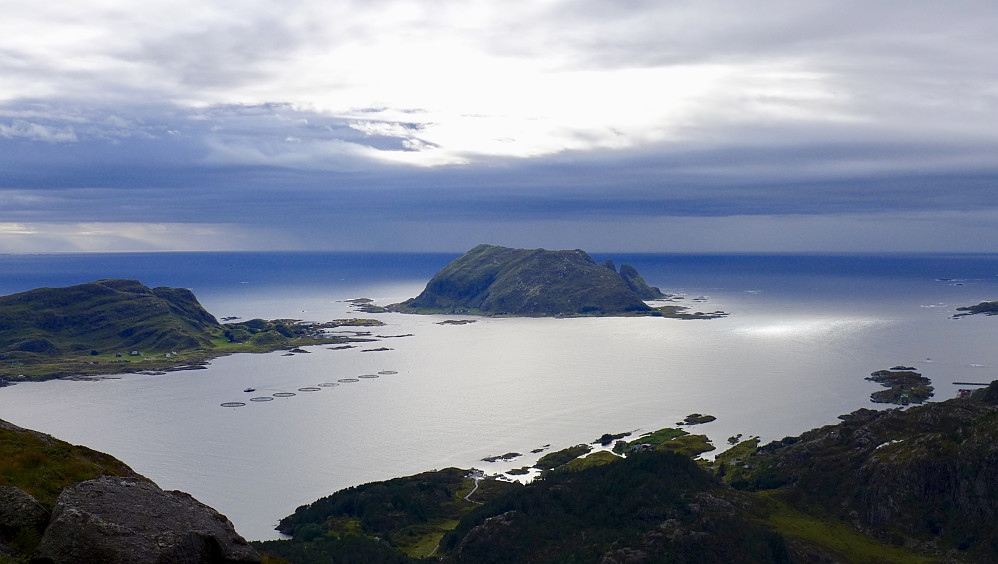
x=493 y=280
x=116 y=326
x=103 y=316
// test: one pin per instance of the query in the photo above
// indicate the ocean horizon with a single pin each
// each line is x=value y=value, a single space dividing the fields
x=802 y=334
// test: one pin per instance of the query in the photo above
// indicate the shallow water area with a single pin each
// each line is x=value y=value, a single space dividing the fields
x=792 y=355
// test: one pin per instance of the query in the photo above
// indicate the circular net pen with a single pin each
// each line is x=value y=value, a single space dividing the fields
x=348 y=380
x=233 y=404
x=309 y=389
x=262 y=398
x=283 y=394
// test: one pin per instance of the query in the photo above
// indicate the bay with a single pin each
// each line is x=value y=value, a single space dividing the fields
x=802 y=334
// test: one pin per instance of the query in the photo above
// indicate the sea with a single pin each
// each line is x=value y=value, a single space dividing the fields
x=802 y=334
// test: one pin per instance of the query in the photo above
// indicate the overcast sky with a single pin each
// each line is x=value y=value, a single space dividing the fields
x=658 y=126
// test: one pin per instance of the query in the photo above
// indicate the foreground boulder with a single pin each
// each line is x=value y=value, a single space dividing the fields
x=21 y=517
x=20 y=509
x=128 y=520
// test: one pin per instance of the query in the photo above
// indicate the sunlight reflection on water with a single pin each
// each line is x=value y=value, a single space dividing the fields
x=449 y=395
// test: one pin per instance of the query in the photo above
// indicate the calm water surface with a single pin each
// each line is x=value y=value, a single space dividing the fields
x=802 y=334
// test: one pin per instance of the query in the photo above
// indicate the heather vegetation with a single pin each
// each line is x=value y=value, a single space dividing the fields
x=42 y=465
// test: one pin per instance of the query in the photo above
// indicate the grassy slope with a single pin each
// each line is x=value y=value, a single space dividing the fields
x=42 y=465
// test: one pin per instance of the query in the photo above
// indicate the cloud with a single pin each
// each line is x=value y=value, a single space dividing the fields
x=126 y=236
x=37 y=132
x=514 y=113
x=526 y=79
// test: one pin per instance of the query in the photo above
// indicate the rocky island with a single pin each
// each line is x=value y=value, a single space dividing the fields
x=904 y=386
x=985 y=308
x=501 y=281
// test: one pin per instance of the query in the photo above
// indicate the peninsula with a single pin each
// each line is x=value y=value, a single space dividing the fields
x=501 y=281
x=114 y=326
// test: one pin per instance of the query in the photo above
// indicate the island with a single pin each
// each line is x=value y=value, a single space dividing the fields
x=985 y=308
x=904 y=386
x=501 y=281
x=696 y=419
x=115 y=326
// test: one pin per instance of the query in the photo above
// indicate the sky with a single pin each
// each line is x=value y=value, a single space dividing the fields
x=433 y=125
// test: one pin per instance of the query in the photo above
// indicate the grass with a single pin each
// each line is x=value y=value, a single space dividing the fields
x=653 y=438
x=669 y=439
x=85 y=364
x=852 y=545
x=558 y=458
x=43 y=466
x=733 y=460
x=598 y=458
x=689 y=445
x=428 y=542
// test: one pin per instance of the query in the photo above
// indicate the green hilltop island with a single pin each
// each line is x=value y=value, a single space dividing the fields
x=500 y=281
x=115 y=326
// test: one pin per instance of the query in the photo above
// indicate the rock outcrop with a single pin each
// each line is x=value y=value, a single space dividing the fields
x=19 y=509
x=113 y=520
x=638 y=285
